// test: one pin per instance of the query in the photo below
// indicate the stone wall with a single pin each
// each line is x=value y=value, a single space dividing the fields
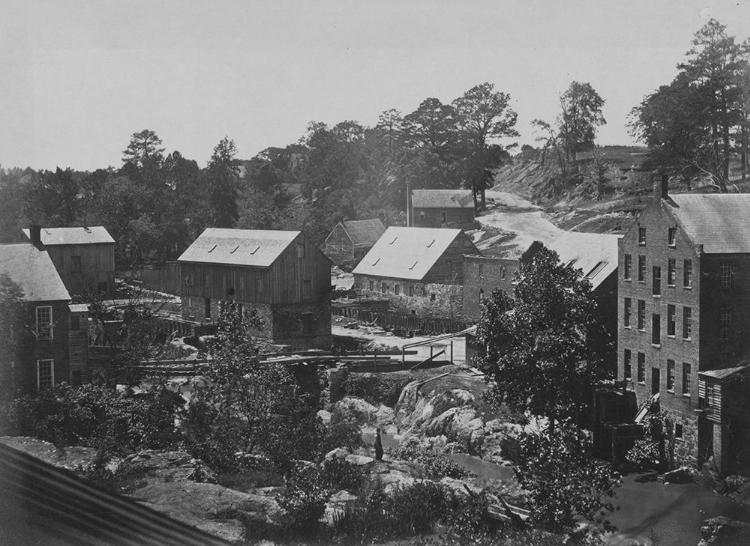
x=686 y=449
x=416 y=298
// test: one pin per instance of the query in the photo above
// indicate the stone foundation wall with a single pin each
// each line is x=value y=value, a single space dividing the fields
x=428 y=300
x=686 y=449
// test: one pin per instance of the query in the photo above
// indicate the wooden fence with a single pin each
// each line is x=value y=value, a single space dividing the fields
x=398 y=321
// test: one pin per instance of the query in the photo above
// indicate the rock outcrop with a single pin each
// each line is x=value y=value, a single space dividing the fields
x=723 y=531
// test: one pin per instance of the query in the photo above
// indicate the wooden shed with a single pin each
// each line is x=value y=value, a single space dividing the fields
x=280 y=274
x=83 y=256
x=350 y=240
x=442 y=209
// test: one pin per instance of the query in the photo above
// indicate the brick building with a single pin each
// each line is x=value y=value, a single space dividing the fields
x=37 y=354
x=684 y=309
x=442 y=209
x=484 y=274
x=349 y=241
x=84 y=257
x=280 y=274
x=419 y=270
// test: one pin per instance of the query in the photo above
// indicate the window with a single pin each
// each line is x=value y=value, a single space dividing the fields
x=481 y=270
x=641 y=314
x=726 y=275
x=383 y=287
x=45 y=374
x=686 y=379
x=75 y=263
x=207 y=306
x=687 y=322
x=671 y=271
x=397 y=289
x=671 y=321
x=656 y=284
x=641 y=368
x=372 y=286
x=481 y=296
x=678 y=432
x=411 y=290
x=242 y=284
x=259 y=285
x=300 y=250
x=627 y=367
x=206 y=280
x=725 y=322
x=306 y=290
x=710 y=394
x=75 y=323
x=642 y=268
x=641 y=235
x=687 y=274
x=502 y=272
x=670 y=375
x=627 y=267
x=626 y=314
x=672 y=236
x=44 y=322
x=307 y=324
x=432 y=297
x=443 y=217
x=101 y=288
x=656 y=329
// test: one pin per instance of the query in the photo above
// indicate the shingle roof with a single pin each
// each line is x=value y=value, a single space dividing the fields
x=593 y=253
x=33 y=271
x=408 y=252
x=73 y=235
x=442 y=199
x=717 y=221
x=364 y=232
x=251 y=247
x=723 y=373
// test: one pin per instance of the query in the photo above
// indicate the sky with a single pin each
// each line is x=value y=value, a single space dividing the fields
x=77 y=78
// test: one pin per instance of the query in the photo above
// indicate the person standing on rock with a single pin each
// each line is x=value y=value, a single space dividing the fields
x=378 y=445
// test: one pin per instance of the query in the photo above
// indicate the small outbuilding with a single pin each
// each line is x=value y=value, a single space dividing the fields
x=350 y=240
x=442 y=209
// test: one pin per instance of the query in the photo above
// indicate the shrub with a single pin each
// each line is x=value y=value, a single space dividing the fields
x=337 y=474
x=342 y=431
x=437 y=465
x=656 y=449
x=304 y=502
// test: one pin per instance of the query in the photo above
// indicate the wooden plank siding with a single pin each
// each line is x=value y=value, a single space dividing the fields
x=97 y=265
x=449 y=268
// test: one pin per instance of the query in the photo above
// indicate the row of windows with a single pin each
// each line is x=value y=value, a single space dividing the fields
x=671 y=236
x=687 y=320
x=503 y=271
x=687 y=272
x=686 y=376
x=384 y=288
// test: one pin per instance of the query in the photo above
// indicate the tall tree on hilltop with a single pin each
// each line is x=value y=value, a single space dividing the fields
x=222 y=176
x=581 y=113
x=541 y=346
x=483 y=116
x=390 y=127
x=144 y=148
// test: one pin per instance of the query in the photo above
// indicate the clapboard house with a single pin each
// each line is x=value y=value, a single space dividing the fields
x=442 y=209
x=684 y=311
x=36 y=347
x=419 y=270
x=83 y=256
x=280 y=274
x=350 y=240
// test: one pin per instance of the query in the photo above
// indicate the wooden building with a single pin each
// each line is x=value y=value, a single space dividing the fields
x=442 y=209
x=36 y=355
x=684 y=308
x=281 y=274
x=84 y=257
x=419 y=270
x=349 y=241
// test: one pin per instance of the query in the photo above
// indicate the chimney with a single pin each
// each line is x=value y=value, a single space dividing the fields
x=35 y=234
x=661 y=187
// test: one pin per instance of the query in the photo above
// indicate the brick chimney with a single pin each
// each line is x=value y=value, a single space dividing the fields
x=35 y=234
x=661 y=187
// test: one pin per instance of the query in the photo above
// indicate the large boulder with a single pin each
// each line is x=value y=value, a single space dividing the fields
x=723 y=531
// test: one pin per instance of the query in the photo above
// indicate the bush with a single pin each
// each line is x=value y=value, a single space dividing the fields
x=435 y=464
x=304 y=502
x=342 y=431
x=377 y=388
x=656 y=450
x=338 y=474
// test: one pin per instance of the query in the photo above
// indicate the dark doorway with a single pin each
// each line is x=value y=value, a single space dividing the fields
x=655 y=380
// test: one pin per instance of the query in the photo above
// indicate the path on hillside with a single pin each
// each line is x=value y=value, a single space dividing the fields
x=516 y=214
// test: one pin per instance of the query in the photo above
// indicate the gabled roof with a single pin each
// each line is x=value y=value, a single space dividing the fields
x=442 y=199
x=719 y=222
x=364 y=232
x=408 y=252
x=33 y=271
x=250 y=247
x=73 y=235
x=593 y=253
x=723 y=373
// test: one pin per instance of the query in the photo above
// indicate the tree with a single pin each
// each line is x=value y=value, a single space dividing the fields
x=565 y=481
x=223 y=184
x=581 y=113
x=143 y=150
x=542 y=349
x=12 y=328
x=483 y=115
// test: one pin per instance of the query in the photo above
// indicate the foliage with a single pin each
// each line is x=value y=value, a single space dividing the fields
x=117 y=423
x=144 y=148
x=11 y=333
x=377 y=388
x=303 y=501
x=542 y=350
x=656 y=449
x=342 y=431
x=565 y=482
x=437 y=465
x=338 y=474
x=222 y=176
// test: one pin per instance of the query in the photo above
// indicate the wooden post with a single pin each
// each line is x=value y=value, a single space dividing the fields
x=451 y=351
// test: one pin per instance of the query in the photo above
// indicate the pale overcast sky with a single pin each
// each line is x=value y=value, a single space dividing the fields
x=78 y=78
